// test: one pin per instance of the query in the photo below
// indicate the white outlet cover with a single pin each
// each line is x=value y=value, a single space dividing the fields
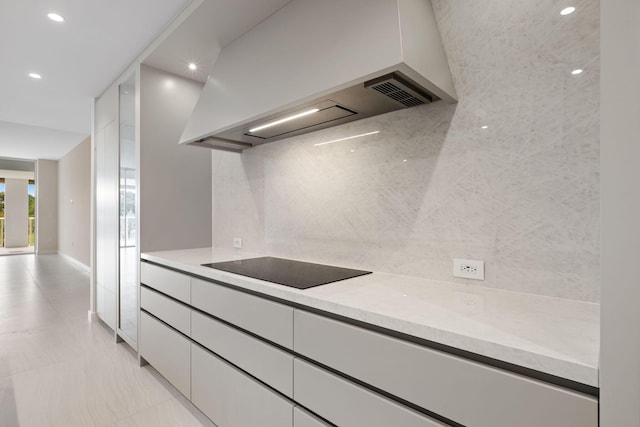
x=237 y=242
x=468 y=269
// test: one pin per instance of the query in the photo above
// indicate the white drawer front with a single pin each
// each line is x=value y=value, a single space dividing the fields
x=167 y=351
x=302 y=418
x=348 y=405
x=167 y=281
x=167 y=310
x=233 y=399
x=265 y=318
x=265 y=362
x=463 y=391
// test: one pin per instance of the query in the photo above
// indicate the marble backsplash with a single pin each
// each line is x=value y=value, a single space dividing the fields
x=432 y=185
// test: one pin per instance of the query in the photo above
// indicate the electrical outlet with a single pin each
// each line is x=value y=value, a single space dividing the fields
x=468 y=303
x=237 y=242
x=468 y=269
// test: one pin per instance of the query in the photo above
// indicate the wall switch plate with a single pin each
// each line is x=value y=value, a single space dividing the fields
x=468 y=269
x=468 y=303
x=237 y=242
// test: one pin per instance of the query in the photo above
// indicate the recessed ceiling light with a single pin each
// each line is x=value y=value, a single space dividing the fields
x=35 y=76
x=193 y=67
x=577 y=71
x=567 y=10
x=484 y=127
x=55 y=17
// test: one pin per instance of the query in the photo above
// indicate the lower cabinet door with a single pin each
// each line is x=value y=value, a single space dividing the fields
x=346 y=404
x=467 y=392
x=265 y=362
x=302 y=418
x=167 y=351
x=231 y=398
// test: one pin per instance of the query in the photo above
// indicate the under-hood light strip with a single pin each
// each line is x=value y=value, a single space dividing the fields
x=348 y=137
x=286 y=119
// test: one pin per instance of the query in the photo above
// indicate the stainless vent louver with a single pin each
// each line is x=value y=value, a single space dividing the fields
x=395 y=88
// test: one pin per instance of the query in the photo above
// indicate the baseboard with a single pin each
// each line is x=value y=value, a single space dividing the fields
x=74 y=261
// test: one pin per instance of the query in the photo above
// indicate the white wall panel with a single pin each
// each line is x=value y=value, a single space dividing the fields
x=175 y=180
x=620 y=151
x=46 y=206
x=74 y=190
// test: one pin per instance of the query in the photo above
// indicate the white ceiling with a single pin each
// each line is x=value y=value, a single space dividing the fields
x=214 y=25
x=78 y=59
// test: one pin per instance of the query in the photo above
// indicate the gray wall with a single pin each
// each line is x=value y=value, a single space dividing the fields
x=74 y=206
x=46 y=206
x=175 y=180
x=16 y=210
x=620 y=154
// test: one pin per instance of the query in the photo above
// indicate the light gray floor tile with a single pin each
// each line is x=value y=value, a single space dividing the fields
x=59 y=369
x=167 y=414
x=8 y=410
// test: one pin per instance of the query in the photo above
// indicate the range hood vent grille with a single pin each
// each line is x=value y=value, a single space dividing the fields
x=395 y=88
x=394 y=92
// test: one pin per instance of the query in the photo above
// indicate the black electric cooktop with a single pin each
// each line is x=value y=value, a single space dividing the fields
x=297 y=274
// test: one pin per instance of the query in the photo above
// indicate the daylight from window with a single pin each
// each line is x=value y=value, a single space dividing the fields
x=1 y=214
x=32 y=213
x=31 y=192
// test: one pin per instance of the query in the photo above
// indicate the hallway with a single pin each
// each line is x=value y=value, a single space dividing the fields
x=59 y=369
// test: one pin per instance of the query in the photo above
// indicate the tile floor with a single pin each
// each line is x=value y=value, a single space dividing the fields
x=59 y=369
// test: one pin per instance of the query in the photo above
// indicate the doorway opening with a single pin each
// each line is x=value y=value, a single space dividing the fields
x=17 y=208
x=17 y=216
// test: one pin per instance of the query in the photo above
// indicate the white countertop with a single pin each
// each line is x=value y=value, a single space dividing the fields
x=552 y=335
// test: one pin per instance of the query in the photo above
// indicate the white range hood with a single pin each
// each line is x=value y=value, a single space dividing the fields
x=326 y=62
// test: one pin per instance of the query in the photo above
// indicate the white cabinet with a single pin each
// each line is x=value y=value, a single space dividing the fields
x=348 y=405
x=269 y=364
x=107 y=244
x=216 y=345
x=136 y=127
x=164 y=308
x=167 y=351
x=458 y=389
x=268 y=319
x=231 y=398
x=232 y=395
x=302 y=418
x=169 y=282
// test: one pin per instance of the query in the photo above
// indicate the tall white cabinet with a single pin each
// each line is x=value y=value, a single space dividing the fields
x=139 y=154
x=106 y=205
